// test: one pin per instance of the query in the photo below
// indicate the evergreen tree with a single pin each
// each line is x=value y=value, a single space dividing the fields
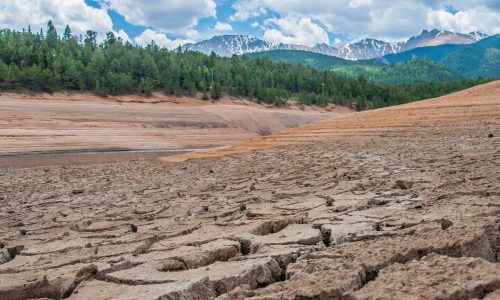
x=67 y=34
x=43 y=62
x=216 y=92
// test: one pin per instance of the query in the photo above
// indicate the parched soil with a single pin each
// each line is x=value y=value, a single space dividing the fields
x=40 y=127
x=397 y=203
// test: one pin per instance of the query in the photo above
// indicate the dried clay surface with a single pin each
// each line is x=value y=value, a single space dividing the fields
x=397 y=203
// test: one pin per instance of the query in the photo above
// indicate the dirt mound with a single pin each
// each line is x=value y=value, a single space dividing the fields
x=388 y=204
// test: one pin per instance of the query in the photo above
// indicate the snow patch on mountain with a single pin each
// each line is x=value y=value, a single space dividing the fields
x=227 y=45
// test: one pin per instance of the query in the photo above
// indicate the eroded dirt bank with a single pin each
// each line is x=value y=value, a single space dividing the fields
x=75 y=122
x=406 y=208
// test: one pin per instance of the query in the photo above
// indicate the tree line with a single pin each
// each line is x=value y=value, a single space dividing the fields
x=46 y=62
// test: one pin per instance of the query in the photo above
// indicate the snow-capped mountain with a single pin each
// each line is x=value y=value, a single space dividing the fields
x=325 y=49
x=439 y=37
x=366 y=49
x=227 y=45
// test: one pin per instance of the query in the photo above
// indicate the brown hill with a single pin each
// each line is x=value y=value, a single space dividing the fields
x=475 y=104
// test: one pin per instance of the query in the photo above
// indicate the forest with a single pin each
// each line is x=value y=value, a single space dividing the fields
x=47 y=62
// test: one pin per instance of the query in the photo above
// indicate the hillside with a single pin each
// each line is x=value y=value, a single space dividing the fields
x=481 y=59
x=310 y=59
x=477 y=103
x=414 y=71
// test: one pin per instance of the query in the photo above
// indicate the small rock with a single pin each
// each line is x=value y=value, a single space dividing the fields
x=74 y=227
x=377 y=226
x=88 y=245
x=490 y=135
x=445 y=223
x=171 y=265
x=205 y=207
x=251 y=214
x=86 y=272
x=76 y=192
x=132 y=228
x=9 y=253
x=378 y=202
x=22 y=232
x=329 y=201
x=341 y=208
x=243 y=207
x=404 y=185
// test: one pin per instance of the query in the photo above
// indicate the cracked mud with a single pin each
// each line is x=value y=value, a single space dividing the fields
x=400 y=203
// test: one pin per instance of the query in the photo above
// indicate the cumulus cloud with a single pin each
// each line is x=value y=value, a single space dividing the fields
x=160 y=39
x=123 y=35
x=220 y=26
x=465 y=21
x=359 y=3
x=171 y=16
x=294 y=30
x=79 y=16
x=245 y=10
x=382 y=19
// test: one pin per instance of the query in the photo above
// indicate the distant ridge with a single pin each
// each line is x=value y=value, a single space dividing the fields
x=367 y=48
x=414 y=71
x=480 y=59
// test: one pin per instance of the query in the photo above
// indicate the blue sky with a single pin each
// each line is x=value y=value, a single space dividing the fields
x=306 y=22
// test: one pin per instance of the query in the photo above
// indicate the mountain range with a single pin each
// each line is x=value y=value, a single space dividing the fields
x=443 y=63
x=227 y=45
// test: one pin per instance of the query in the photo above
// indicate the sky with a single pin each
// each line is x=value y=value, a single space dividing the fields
x=171 y=23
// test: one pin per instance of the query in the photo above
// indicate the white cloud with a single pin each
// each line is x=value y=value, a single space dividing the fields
x=171 y=16
x=18 y=14
x=123 y=35
x=160 y=39
x=337 y=41
x=192 y=34
x=294 y=30
x=465 y=21
x=359 y=3
x=255 y=24
x=382 y=19
x=245 y=10
x=220 y=26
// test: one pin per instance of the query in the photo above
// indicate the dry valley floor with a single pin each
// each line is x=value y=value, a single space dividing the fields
x=397 y=203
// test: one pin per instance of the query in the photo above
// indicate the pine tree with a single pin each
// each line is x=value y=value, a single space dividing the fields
x=51 y=35
x=67 y=34
x=90 y=38
x=216 y=92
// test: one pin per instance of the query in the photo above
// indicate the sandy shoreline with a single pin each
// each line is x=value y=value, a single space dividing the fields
x=85 y=156
x=81 y=123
